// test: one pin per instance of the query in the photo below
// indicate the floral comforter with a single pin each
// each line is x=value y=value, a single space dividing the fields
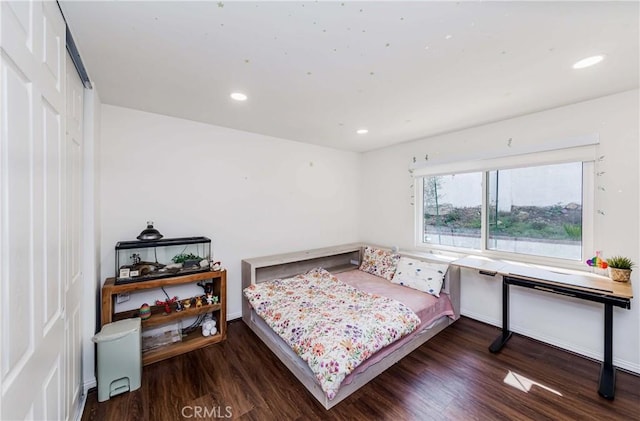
x=329 y=324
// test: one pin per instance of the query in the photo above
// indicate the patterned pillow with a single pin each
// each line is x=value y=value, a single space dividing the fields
x=379 y=262
x=423 y=276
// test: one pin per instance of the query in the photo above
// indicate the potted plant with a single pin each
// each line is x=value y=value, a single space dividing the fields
x=187 y=259
x=620 y=268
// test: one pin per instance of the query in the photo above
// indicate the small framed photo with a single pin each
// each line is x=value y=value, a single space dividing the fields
x=125 y=273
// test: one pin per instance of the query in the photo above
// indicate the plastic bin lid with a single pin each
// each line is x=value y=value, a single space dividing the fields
x=116 y=330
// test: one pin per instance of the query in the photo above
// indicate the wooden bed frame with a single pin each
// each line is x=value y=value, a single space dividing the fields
x=334 y=259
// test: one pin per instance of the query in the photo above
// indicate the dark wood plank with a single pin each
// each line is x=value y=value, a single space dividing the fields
x=452 y=377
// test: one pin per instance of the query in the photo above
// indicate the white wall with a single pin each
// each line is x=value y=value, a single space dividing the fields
x=252 y=195
x=388 y=217
x=91 y=234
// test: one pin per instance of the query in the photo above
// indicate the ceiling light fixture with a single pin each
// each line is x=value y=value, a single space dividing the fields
x=588 y=62
x=238 y=96
x=362 y=131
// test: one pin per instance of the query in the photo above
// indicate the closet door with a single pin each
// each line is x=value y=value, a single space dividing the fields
x=33 y=208
x=73 y=232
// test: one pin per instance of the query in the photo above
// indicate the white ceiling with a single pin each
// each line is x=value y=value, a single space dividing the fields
x=317 y=71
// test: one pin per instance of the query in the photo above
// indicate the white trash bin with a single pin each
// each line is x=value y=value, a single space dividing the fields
x=119 y=358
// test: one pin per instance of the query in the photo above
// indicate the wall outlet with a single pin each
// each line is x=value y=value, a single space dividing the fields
x=122 y=297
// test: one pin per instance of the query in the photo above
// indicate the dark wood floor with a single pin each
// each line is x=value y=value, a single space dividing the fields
x=451 y=377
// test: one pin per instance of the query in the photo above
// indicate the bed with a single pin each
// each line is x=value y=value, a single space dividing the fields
x=343 y=263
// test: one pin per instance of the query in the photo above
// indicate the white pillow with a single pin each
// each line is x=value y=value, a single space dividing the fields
x=423 y=276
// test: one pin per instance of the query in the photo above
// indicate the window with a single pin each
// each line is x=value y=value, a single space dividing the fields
x=452 y=210
x=536 y=210
x=533 y=210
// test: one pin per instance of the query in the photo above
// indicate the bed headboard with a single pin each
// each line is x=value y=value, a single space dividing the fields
x=334 y=259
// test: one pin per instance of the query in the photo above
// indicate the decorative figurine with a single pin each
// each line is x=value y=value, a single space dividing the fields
x=167 y=304
x=216 y=266
x=597 y=261
x=198 y=302
x=145 y=311
x=211 y=299
x=206 y=288
x=186 y=303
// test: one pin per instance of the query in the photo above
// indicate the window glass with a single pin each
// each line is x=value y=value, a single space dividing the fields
x=452 y=210
x=536 y=210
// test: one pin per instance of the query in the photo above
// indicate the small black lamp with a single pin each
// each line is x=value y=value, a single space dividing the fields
x=150 y=233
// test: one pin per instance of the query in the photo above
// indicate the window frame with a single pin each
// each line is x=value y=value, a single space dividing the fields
x=584 y=154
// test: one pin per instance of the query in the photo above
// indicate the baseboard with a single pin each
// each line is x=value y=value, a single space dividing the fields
x=86 y=386
x=588 y=353
x=236 y=315
x=83 y=402
x=585 y=352
x=481 y=318
x=89 y=384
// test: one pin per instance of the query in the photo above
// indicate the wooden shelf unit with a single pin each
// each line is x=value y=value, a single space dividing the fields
x=191 y=341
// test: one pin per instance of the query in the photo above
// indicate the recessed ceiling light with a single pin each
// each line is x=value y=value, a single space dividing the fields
x=587 y=62
x=239 y=96
x=362 y=131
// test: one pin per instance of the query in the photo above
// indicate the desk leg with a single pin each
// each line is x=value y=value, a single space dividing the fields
x=506 y=333
x=607 y=385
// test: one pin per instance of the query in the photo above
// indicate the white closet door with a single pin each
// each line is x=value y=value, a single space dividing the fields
x=74 y=287
x=33 y=208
